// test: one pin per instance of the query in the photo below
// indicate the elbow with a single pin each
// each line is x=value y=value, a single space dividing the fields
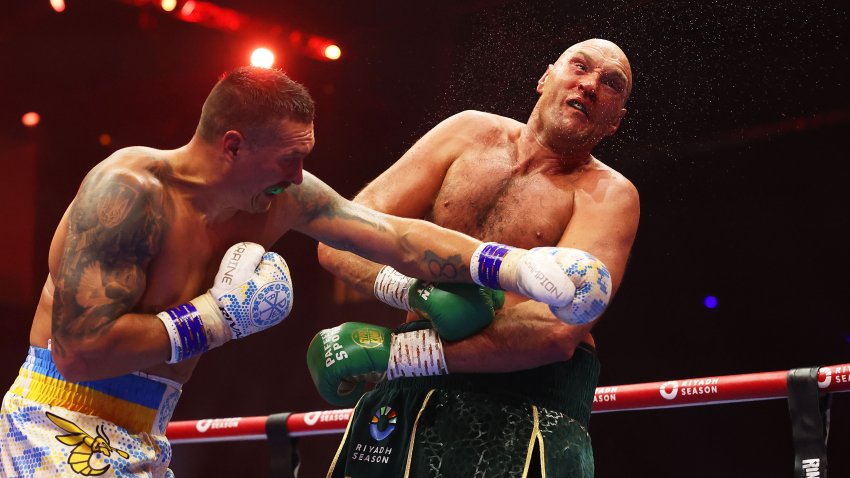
x=565 y=351
x=76 y=365
x=562 y=344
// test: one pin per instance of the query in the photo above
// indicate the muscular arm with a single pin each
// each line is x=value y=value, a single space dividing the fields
x=527 y=335
x=414 y=247
x=406 y=189
x=524 y=334
x=114 y=229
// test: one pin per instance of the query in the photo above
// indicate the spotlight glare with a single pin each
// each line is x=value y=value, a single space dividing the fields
x=332 y=52
x=58 y=5
x=168 y=5
x=188 y=8
x=31 y=119
x=262 y=57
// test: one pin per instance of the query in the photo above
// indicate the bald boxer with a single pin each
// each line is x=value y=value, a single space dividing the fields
x=534 y=184
x=162 y=256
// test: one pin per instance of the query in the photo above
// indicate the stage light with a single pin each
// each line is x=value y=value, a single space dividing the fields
x=58 y=5
x=332 y=52
x=104 y=139
x=168 y=5
x=320 y=48
x=30 y=119
x=188 y=9
x=710 y=302
x=262 y=57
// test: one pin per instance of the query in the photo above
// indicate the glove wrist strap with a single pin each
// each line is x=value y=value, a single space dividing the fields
x=416 y=354
x=215 y=324
x=185 y=331
x=493 y=265
x=392 y=288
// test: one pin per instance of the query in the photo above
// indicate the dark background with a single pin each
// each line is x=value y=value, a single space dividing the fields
x=736 y=139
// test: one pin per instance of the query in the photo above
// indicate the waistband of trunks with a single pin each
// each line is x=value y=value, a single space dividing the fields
x=137 y=402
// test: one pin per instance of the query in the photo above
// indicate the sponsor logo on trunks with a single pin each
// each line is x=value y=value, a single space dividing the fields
x=216 y=423
x=605 y=394
x=85 y=446
x=371 y=453
x=367 y=337
x=671 y=389
x=833 y=375
x=313 y=418
x=383 y=423
x=812 y=467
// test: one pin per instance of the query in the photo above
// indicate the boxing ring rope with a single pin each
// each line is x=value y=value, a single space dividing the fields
x=642 y=396
x=668 y=394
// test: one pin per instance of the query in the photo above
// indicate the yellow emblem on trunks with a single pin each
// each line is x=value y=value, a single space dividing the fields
x=84 y=446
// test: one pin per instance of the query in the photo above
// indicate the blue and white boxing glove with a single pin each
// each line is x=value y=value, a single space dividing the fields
x=252 y=292
x=536 y=275
x=592 y=284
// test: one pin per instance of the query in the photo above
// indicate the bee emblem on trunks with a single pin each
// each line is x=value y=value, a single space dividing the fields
x=84 y=446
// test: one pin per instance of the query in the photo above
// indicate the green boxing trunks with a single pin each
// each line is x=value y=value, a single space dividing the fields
x=531 y=423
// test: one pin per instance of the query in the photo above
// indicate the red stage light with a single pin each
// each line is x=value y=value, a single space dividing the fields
x=188 y=9
x=262 y=57
x=332 y=52
x=58 y=5
x=31 y=119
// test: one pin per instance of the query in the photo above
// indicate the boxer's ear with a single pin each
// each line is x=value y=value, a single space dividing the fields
x=232 y=142
x=543 y=78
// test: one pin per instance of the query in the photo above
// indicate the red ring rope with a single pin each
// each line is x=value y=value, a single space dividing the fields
x=669 y=394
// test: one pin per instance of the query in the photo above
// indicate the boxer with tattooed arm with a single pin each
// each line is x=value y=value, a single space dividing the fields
x=161 y=256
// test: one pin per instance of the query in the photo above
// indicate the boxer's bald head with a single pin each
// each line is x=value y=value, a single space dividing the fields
x=604 y=49
x=582 y=96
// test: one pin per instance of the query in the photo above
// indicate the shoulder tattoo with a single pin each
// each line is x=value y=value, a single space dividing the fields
x=116 y=226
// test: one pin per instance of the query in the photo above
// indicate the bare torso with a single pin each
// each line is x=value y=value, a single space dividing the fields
x=190 y=251
x=484 y=195
x=488 y=193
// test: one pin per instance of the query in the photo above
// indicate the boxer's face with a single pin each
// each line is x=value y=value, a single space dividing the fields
x=583 y=94
x=275 y=161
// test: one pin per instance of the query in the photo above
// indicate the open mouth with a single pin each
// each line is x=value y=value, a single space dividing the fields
x=276 y=189
x=577 y=105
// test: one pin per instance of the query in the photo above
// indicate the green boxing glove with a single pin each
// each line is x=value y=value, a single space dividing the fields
x=343 y=359
x=456 y=310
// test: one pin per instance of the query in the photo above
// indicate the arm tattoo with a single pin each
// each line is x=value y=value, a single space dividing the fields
x=322 y=202
x=443 y=268
x=114 y=230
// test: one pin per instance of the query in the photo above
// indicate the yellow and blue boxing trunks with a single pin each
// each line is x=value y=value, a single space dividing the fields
x=116 y=427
